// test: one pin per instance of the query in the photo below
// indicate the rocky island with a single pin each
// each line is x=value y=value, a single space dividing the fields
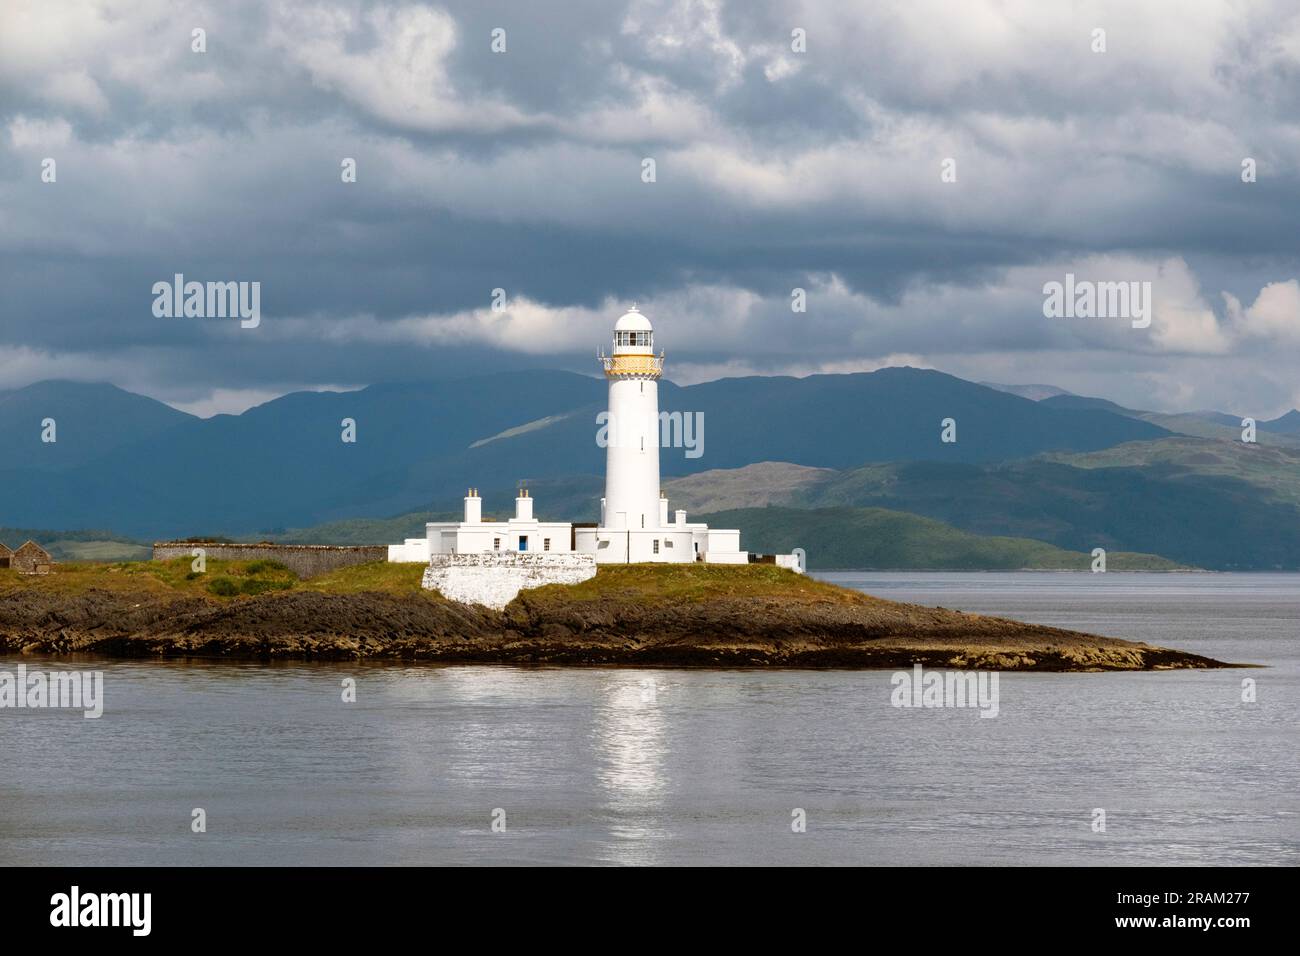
x=664 y=615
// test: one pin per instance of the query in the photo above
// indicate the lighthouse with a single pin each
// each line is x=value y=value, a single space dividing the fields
x=632 y=427
x=490 y=561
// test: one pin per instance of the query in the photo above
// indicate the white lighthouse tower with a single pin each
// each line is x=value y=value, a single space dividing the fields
x=632 y=434
x=635 y=523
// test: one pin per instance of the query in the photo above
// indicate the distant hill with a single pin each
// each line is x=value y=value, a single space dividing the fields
x=1081 y=401
x=753 y=486
x=155 y=472
x=1218 y=418
x=1283 y=431
x=1274 y=470
x=90 y=421
x=366 y=530
x=879 y=539
x=78 y=545
x=1288 y=424
x=1200 y=518
x=1214 y=504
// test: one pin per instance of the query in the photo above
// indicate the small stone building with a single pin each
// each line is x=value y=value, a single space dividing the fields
x=31 y=558
x=5 y=555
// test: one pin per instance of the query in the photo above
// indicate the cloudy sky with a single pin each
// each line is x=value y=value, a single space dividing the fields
x=775 y=169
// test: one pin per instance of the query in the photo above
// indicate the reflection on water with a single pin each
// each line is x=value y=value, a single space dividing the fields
x=613 y=765
x=629 y=736
x=629 y=741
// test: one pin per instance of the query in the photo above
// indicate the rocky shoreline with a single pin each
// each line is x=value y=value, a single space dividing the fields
x=544 y=627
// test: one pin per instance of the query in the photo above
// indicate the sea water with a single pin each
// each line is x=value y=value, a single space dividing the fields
x=504 y=764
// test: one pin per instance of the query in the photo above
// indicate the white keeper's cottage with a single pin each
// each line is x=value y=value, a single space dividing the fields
x=483 y=561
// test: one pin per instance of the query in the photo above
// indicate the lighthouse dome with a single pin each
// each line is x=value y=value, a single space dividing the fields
x=633 y=334
x=632 y=321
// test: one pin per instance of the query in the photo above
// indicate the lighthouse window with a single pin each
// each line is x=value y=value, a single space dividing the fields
x=496 y=544
x=656 y=550
x=546 y=544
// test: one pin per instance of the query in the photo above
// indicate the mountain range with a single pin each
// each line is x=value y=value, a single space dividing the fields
x=1070 y=471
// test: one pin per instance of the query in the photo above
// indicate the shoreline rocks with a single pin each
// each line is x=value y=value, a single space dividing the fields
x=544 y=628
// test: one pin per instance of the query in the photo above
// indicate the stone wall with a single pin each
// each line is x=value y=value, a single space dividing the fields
x=493 y=578
x=304 y=560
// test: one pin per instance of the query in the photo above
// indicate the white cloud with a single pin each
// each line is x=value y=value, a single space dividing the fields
x=1274 y=315
x=928 y=319
x=688 y=29
x=402 y=78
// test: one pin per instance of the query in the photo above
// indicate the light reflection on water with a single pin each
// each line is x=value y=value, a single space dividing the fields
x=618 y=765
x=629 y=737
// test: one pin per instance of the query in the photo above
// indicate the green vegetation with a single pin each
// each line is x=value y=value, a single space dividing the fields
x=223 y=579
x=665 y=584
x=876 y=538
x=670 y=584
x=223 y=586
x=375 y=576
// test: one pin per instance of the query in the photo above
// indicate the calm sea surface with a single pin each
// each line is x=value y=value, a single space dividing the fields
x=616 y=765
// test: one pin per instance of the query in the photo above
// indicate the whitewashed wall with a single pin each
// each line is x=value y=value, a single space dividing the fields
x=494 y=578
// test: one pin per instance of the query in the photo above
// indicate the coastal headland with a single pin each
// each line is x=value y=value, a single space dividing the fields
x=660 y=615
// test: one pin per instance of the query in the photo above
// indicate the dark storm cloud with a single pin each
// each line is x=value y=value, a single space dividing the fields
x=521 y=171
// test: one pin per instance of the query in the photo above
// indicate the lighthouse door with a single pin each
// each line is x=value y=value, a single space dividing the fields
x=523 y=542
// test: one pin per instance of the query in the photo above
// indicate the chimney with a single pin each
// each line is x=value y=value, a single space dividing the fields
x=663 y=510
x=681 y=517
x=473 y=507
x=523 y=506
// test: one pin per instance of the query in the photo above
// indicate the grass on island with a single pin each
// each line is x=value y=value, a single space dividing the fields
x=231 y=580
x=221 y=580
x=693 y=583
